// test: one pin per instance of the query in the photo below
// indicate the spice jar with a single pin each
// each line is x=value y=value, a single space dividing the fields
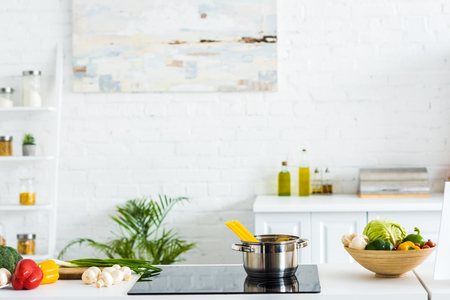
x=6 y=95
x=27 y=191
x=31 y=81
x=6 y=145
x=2 y=234
x=26 y=244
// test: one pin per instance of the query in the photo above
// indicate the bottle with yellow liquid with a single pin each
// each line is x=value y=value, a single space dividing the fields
x=304 y=188
x=284 y=181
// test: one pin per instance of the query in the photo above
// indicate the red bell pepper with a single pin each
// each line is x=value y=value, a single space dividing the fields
x=27 y=275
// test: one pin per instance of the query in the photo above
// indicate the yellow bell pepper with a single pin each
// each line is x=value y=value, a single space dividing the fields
x=406 y=246
x=50 y=270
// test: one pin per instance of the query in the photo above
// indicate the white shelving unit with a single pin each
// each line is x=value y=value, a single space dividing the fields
x=19 y=207
x=49 y=209
x=25 y=158
x=27 y=109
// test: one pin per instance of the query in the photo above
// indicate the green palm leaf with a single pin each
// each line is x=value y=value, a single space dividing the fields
x=139 y=236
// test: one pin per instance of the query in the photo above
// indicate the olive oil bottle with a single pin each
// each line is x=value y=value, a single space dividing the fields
x=304 y=188
x=284 y=181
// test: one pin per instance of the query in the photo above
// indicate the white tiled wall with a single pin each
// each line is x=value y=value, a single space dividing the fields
x=361 y=84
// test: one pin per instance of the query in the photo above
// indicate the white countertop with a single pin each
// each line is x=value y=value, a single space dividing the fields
x=437 y=289
x=338 y=282
x=345 y=203
x=74 y=289
x=351 y=281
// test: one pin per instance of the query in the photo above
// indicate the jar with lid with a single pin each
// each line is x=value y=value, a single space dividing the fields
x=6 y=97
x=27 y=191
x=2 y=236
x=32 y=88
x=26 y=244
x=6 y=145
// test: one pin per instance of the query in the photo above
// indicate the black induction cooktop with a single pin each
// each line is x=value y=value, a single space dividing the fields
x=224 y=279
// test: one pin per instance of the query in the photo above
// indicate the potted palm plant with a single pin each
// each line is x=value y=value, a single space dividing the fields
x=28 y=145
x=141 y=233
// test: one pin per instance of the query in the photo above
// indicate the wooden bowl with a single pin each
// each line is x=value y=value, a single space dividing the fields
x=390 y=264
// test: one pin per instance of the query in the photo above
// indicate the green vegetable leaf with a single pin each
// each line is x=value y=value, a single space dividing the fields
x=385 y=229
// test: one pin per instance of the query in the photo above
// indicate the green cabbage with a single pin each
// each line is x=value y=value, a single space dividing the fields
x=385 y=229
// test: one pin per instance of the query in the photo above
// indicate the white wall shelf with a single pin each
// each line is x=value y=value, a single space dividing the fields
x=37 y=257
x=25 y=207
x=25 y=158
x=27 y=109
x=49 y=209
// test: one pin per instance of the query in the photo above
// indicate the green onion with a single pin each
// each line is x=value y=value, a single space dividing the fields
x=139 y=266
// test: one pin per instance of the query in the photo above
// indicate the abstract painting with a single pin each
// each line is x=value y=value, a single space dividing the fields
x=174 y=45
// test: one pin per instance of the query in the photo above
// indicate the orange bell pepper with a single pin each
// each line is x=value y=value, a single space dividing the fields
x=407 y=246
x=51 y=271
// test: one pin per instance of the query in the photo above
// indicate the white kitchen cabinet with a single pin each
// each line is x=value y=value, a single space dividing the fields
x=330 y=217
x=327 y=230
x=427 y=222
x=298 y=224
x=323 y=230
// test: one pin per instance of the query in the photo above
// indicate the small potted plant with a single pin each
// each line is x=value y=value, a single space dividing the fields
x=28 y=145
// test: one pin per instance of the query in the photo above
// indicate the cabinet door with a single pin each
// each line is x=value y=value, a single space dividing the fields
x=298 y=224
x=327 y=231
x=428 y=222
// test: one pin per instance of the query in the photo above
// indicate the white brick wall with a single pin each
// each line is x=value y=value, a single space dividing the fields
x=361 y=83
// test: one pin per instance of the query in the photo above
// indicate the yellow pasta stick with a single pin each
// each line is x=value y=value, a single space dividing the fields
x=230 y=225
x=247 y=233
x=242 y=234
x=239 y=232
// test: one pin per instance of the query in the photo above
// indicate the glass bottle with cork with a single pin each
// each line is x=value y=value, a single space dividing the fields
x=316 y=184
x=284 y=181
x=327 y=184
x=304 y=188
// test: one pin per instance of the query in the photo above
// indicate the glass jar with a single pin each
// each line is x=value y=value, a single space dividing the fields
x=31 y=81
x=6 y=145
x=27 y=191
x=26 y=244
x=6 y=97
x=2 y=234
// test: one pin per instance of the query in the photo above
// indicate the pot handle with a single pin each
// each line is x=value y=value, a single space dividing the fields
x=302 y=243
x=241 y=248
